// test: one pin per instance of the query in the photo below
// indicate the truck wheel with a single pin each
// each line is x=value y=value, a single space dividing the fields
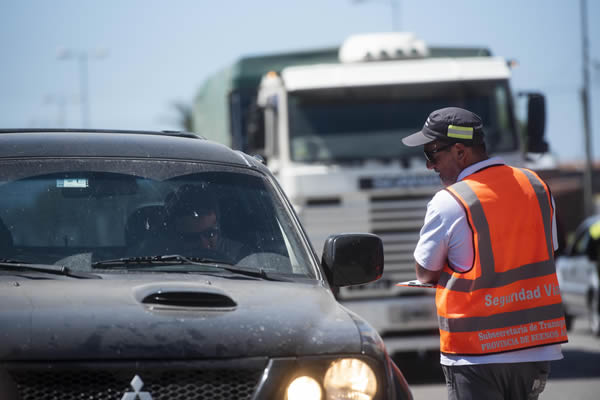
x=594 y=313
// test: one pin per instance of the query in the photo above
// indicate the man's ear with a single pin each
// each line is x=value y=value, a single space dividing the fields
x=464 y=155
x=460 y=150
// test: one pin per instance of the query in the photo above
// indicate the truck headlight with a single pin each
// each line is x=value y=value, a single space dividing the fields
x=351 y=379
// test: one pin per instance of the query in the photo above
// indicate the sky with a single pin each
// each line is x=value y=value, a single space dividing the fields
x=146 y=55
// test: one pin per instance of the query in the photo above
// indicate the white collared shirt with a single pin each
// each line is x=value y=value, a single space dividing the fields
x=446 y=235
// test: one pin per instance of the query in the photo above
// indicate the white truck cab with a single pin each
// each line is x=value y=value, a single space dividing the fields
x=329 y=123
x=332 y=137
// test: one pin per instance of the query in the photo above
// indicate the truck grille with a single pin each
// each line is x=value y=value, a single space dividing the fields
x=182 y=384
x=397 y=220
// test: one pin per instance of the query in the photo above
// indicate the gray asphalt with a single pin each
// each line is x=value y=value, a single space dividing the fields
x=576 y=377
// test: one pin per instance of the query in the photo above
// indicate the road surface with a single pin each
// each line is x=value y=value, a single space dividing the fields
x=576 y=377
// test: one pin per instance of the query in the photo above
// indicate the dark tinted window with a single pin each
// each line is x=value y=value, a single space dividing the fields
x=57 y=211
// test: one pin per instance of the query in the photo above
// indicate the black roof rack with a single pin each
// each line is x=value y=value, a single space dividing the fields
x=117 y=131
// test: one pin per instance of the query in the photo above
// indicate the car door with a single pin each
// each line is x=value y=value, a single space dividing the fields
x=576 y=271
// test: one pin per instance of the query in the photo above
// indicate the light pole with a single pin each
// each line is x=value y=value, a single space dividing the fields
x=396 y=16
x=60 y=102
x=84 y=96
x=395 y=11
x=587 y=127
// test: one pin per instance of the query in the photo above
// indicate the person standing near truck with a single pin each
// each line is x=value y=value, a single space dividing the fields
x=488 y=243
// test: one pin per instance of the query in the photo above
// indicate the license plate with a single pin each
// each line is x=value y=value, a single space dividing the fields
x=406 y=314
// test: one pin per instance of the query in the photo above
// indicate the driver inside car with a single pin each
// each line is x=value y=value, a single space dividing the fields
x=193 y=219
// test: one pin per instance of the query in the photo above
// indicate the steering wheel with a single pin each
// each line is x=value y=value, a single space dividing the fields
x=209 y=254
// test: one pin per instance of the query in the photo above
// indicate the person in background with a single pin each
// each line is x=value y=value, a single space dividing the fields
x=488 y=243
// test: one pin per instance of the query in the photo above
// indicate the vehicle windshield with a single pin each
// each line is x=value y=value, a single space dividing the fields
x=367 y=123
x=87 y=214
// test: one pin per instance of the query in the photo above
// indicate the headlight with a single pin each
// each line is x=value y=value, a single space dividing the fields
x=343 y=379
x=304 y=388
x=351 y=379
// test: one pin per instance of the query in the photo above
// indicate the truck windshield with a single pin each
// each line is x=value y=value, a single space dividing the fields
x=353 y=124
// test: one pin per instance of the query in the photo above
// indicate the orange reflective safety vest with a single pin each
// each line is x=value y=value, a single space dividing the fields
x=509 y=299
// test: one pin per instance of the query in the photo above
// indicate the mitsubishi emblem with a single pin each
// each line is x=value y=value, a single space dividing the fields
x=136 y=384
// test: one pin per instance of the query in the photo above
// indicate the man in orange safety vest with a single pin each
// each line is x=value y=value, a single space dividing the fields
x=488 y=245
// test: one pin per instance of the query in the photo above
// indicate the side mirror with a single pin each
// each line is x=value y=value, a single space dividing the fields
x=255 y=129
x=593 y=245
x=352 y=259
x=536 y=122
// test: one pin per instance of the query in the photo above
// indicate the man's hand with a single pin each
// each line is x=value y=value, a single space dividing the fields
x=427 y=276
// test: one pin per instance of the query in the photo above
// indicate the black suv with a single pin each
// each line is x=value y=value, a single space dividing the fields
x=160 y=265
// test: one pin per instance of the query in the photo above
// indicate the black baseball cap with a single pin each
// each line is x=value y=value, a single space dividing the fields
x=450 y=124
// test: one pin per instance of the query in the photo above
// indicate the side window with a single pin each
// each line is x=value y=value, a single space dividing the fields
x=581 y=244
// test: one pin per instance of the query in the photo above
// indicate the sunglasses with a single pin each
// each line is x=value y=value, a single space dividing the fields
x=206 y=234
x=430 y=154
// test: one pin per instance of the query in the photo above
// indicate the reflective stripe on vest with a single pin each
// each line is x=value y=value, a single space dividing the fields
x=494 y=308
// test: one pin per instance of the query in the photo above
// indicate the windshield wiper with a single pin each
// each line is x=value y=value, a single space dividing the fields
x=16 y=265
x=179 y=259
x=153 y=260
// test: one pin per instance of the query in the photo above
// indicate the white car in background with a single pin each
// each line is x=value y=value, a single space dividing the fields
x=578 y=270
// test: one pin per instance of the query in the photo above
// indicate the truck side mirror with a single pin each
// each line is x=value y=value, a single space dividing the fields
x=352 y=259
x=536 y=122
x=256 y=129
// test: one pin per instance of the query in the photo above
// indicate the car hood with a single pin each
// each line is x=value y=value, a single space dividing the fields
x=163 y=316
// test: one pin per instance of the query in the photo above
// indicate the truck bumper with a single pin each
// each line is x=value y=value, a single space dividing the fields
x=406 y=324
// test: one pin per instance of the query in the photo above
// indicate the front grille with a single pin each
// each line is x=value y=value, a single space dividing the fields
x=184 y=384
x=397 y=220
